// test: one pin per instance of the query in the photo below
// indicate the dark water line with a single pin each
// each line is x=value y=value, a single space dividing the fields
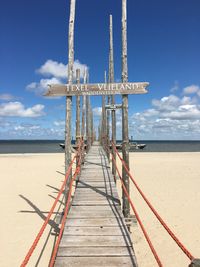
x=52 y=146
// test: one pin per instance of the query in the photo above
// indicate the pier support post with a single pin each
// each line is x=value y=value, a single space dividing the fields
x=78 y=130
x=125 y=144
x=91 y=126
x=88 y=121
x=108 y=129
x=103 y=121
x=111 y=75
x=69 y=98
x=83 y=109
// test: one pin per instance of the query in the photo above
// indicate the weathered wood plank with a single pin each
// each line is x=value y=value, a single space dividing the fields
x=94 y=251
x=94 y=203
x=94 y=261
x=93 y=214
x=97 y=208
x=95 y=222
x=92 y=241
x=96 y=231
x=93 y=183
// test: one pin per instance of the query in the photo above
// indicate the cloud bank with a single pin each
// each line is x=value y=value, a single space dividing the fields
x=17 y=109
x=56 y=73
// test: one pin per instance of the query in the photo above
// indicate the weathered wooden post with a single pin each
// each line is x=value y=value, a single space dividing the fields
x=99 y=134
x=108 y=129
x=88 y=118
x=83 y=107
x=91 y=125
x=111 y=74
x=125 y=145
x=69 y=98
x=78 y=129
x=103 y=114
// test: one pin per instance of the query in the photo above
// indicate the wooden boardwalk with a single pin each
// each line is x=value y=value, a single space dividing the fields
x=95 y=232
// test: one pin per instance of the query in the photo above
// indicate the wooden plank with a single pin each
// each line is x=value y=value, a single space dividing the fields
x=102 y=199
x=96 y=196
x=98 y=208
x=94 y=183
x=96 y=231
x=94 y=251
x=94 y=261
x=92 y=191
x=93 y=214
x=95 y=222
x=92 y=241
x=95 y=203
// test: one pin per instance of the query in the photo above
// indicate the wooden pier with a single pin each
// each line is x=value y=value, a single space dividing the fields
x=95 y=232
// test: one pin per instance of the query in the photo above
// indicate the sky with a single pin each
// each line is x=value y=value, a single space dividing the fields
x=163 y=49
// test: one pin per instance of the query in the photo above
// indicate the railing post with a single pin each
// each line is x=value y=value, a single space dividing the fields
x=103 y=125
x=69 y=98
x=83 y=109
x=108 y=129
x=111 y=75
x=78 y=130
x=125 y=144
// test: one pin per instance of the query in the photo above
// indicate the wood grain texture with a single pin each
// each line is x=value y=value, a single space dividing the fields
x=95 y=232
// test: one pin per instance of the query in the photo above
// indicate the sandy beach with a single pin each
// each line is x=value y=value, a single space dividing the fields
x=171 y=181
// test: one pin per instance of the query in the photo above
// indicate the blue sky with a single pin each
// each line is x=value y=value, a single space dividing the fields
x=163 y=49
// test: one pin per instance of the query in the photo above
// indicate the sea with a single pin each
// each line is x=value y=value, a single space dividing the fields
x=52 y=146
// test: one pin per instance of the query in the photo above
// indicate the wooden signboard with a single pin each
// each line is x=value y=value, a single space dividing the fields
x=97 y=89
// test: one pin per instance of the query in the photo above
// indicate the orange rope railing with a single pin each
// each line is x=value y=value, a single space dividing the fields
x=178 y=242
x=163 y=223
x=64 y=216
x=62 y=189
x=137 y=216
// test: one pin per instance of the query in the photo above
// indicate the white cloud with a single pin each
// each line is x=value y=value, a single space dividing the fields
x=192 y=89
x=41 y=87
x=17 y=109
x=59 y=123
x=171 y=117
x=27 y=127
x=57 y=73
x=6 y=97
x=60 y=70
x=184 y=112
x=166 y=103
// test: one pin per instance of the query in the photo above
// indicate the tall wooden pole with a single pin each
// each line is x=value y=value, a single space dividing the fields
x=108 y=128
x=78 y=129
x=84 y=108
x=108 y=121
x=99 y=134
x=111 y=71
x=70 y=81
x=91 y=126
x=125 y=145
x=103 y=125
x=88 y=119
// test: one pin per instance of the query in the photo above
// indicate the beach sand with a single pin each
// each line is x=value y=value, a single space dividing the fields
x=171 y=181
